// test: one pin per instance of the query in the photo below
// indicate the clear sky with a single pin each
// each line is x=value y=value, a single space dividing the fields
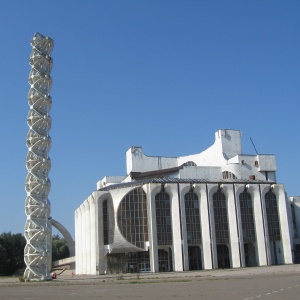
x=161 y=74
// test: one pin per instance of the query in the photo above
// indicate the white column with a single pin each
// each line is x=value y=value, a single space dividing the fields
x=265 y=188
x=81 y=239
x=259 y=223
x=211 y=189
x=200 y=190
x=278 y=190
x=184 y=188
x=93 y=236
x=227 y=189
x=83 y=234
x=81 y=229
x=151 y=190
x=172 y=190
x=239 y=188
x=88 y=236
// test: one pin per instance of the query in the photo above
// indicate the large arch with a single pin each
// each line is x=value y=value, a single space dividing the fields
x=132 y=218
x=67 y=236
x=193 y=230
x=273 y=224
x=221 y=229
x=192 y=218
x=163 y=219
x=248 y=229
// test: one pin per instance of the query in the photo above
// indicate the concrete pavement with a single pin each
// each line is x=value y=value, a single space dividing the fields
x=272 y=283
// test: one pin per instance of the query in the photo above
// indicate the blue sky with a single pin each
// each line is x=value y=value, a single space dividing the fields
x=164 y=75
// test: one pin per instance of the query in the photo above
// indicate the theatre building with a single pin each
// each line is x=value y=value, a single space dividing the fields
x=219 y=208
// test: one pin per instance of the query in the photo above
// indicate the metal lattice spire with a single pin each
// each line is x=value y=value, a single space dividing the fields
x=38 y=249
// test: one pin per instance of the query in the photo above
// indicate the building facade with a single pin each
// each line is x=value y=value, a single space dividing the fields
x=216 y=209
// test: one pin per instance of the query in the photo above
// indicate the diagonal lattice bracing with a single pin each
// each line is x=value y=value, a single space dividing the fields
x=38 y=249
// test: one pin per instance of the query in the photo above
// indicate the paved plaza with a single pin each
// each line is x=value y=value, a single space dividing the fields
x=274 y=282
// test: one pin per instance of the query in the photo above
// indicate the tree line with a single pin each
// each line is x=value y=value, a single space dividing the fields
x=12 y=252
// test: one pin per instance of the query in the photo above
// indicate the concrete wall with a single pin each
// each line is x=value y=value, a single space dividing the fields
x=224 y=155
x=137 y=161
x=86 y=236
x=91 y=251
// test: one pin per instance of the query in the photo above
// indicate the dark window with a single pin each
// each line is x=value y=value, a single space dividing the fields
x=132 y=217
x=194 y=253
x=164 y=260
x=272 y=217
x=228 y=175
x=223 y=257
x=250 y=255
x=294 y=220
x=163 y=218
x=247 y=217
x=137 y=262
x=220 y=214
x=189 y=164
x=105 y=221
x=192 y=216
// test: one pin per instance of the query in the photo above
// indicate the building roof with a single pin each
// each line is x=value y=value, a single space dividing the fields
x=156 y=173
x=183 y=180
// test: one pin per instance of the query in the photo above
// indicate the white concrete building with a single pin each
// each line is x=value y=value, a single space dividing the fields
x=216 y=209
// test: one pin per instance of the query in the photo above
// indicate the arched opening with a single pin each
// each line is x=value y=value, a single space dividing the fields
x=250 y=255
x=248 y=227
x=297 y=253
x=273 y=225
x=128 y=262
x=195 y=262
x=132 y=218
x=294 y=220
x=228 y=175
x=165 y=263
x=221 y=229
x=137 y=262
x=67 y=236
x=163 y=219
x=223 y=257
x=193 y=230
x=192 y=217
x=189 y=164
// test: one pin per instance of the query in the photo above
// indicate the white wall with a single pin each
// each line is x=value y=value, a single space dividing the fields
x=224 y=155
x=91 y=252
x=86 y=235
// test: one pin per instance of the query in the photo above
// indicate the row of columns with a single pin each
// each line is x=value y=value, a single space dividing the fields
x=209 y=247
x=86 y=236
x=91 y=251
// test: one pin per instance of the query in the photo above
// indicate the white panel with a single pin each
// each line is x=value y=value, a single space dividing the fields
x=172 y=190
x=232 y=223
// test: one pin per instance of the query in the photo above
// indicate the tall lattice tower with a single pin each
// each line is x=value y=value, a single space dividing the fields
x=38 y=233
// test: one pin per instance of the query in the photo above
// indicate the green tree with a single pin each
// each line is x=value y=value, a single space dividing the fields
x=3 y=257
x=11 y=253
x=60 y=248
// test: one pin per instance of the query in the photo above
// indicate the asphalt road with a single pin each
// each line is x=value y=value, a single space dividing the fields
x=262 y=286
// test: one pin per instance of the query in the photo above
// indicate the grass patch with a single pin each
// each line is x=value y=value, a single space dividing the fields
x=21 y=278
